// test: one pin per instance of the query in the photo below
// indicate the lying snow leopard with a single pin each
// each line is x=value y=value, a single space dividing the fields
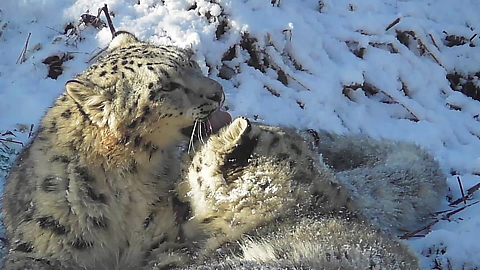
x=93 y=189
x=263 y=198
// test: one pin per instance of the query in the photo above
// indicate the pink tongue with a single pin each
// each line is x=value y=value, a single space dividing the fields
x=217 y=120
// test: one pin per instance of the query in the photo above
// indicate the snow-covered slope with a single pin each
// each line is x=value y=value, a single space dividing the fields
x=333 y=64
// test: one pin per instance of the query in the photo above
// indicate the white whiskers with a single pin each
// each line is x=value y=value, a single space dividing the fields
x=200 y=136
x=198 y=132
x=190 y=144
x=209 y=125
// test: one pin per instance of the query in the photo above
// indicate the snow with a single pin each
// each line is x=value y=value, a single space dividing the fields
x=317 y=35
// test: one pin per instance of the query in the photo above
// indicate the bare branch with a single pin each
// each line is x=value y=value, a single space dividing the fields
x=109 y=20
x=433 y=41
x=473 y=37
x=22 y=58
x=438 y=219
x=463 y=198
x=422 y=46
x=469 y=195
x=397 y=20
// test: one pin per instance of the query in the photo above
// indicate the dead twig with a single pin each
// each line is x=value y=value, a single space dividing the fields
x=54 y=30
x=4 y=141
x=97 y=54
x=423 y=47
x=274 y=65
x=473 y=37
x=402 y=36
x=30 y=133
x=22 y=58
x=297 y=81
x=397 y=20
x=463 y=198
x=107 y=15
x=469 y=195
x=433 y=41
x=447 y=216
x=8 y=132
x=455 y=211
x=105 y=11
x=415 y=117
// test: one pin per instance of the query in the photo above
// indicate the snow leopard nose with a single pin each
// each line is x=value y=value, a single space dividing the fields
x=214 y=92
x=217 y=97
x=204 y=86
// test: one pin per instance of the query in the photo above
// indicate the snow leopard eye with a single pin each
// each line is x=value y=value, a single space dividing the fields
x=171 y=86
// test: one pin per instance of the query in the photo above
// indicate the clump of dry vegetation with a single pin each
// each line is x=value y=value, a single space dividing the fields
x=9 y=145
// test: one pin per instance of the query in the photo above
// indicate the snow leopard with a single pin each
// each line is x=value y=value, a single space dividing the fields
x=269 y=197
x=94 y=188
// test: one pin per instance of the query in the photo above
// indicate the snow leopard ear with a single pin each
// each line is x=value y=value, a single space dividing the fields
x=238 y=128
x=122 y=39
x=94 y=104
x=233 y=135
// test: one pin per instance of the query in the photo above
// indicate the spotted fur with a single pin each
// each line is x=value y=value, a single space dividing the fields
x=264 y=198
x=93 y=189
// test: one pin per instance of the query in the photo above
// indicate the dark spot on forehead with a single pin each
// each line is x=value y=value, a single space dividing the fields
x=66 y=114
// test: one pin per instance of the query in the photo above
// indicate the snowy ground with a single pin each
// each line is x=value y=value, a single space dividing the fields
x=328 y=64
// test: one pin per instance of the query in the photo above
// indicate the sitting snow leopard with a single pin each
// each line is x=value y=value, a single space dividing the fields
x=93 y=189
x=263 y=198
